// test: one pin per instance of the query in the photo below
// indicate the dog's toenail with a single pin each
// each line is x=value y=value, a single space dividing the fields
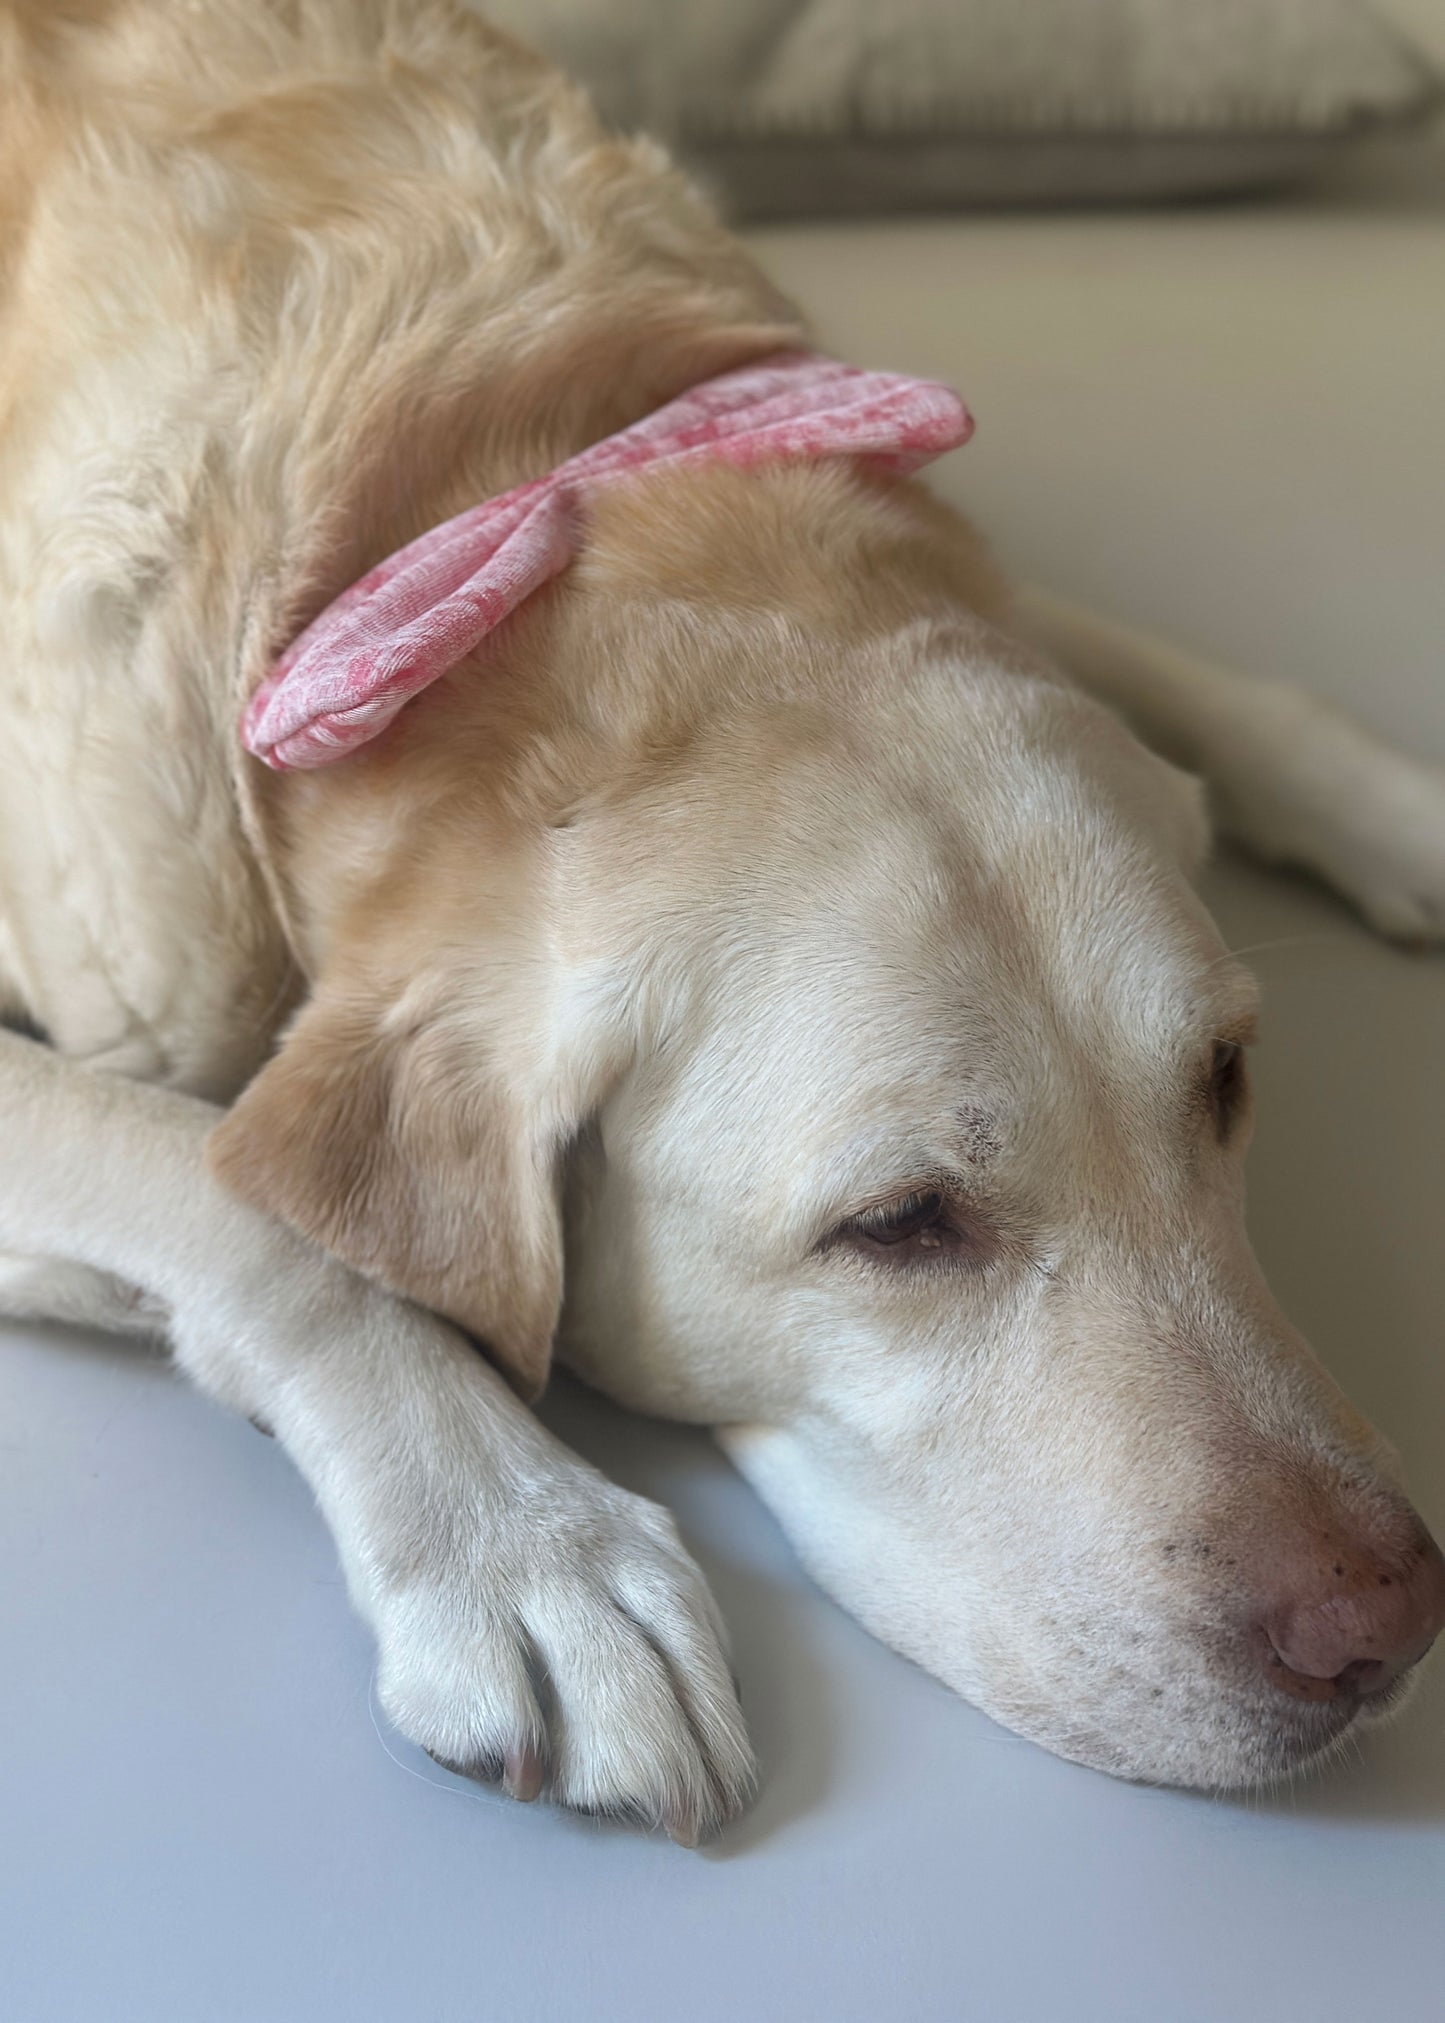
x=522 y=1777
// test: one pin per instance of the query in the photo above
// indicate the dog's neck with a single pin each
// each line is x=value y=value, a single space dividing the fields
x=428 y=457
x=691 y=584
x=365 y=475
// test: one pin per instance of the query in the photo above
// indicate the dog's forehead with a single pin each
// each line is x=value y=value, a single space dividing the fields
x=985 y=840
x=937 y=924
x=948 y=891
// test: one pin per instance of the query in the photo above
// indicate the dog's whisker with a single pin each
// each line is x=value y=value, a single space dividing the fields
x=1276 y=943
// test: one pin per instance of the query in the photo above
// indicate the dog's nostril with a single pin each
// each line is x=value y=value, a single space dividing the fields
x=1355 y=1681
x=1365 y=1675
x=1301 y=1685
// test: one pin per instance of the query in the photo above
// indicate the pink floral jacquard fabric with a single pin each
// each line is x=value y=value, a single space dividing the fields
x=423 y=609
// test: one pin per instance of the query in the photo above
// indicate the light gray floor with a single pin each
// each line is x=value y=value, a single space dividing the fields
x=1229 y=426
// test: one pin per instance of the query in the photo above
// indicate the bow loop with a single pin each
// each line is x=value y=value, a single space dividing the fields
x=413 y=617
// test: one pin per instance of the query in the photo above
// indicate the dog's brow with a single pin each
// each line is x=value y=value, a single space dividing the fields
x=975 y=1135
x=874 y=1166
x=1235 y=1016
x=1237 y=1028
x=1229 y=1004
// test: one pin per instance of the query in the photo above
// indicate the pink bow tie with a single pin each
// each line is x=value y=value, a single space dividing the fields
x=419 y=612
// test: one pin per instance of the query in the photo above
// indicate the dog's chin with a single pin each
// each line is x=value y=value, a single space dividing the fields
x=1280 y=1750
x=1200 y=1728
x=1308 y=1740
x=1243 y=1747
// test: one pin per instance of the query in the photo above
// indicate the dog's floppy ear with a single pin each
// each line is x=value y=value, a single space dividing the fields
x=399 y=1140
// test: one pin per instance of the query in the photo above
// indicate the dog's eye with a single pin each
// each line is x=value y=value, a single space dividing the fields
x=1226 y=1081
x=918 y=1228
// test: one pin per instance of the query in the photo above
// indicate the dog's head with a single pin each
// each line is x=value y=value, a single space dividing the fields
x=825 y=979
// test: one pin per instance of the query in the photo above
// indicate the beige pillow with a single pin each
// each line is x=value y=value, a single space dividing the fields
x=810 y=106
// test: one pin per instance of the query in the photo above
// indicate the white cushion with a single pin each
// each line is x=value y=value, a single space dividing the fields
x=798 y=106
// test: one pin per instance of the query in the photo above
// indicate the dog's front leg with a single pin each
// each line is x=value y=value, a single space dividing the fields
x=1292 y=778
x=534 y=1622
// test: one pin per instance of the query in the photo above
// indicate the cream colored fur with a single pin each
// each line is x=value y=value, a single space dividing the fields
x=766 y=870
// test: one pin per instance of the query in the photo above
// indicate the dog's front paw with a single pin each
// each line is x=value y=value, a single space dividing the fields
x=1366 y=818
x=577 y=1653
x=1385 y=847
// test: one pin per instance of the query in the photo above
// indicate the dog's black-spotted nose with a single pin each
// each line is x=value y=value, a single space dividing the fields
x=1354 y=1620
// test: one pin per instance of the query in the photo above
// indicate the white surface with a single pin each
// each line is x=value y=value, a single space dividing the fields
x=1227 y=425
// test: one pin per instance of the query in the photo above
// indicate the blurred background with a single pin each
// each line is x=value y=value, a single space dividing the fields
x=1184 y=258
x=834 y=107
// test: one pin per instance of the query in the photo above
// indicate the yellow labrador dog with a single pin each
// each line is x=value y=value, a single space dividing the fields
x=759 y=919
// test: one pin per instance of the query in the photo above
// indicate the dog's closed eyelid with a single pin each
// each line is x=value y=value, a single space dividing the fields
x=1226 y=1083
x=927 y=1224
